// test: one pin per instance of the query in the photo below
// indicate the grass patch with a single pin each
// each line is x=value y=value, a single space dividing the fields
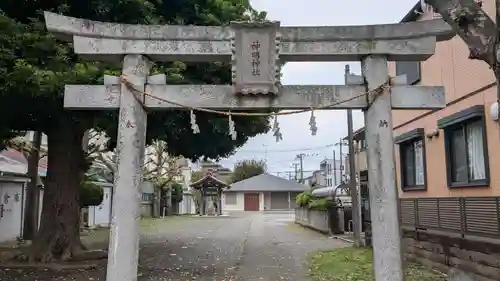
x=152 y=225
x=355 y=264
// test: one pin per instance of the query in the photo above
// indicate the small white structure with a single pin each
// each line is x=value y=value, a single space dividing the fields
x=187 y=205
x=100 y=216
x=12 y=206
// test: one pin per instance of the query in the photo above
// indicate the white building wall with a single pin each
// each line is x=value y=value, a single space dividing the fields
x=332 y=173
x=12 y=203
x=261 y=201
x=240 y=202
x=101 y=215
x=187 y=205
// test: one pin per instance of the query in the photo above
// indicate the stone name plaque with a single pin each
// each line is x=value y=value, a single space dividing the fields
x=255 y=57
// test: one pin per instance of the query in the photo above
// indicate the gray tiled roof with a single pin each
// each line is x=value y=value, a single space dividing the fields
x=267 y=182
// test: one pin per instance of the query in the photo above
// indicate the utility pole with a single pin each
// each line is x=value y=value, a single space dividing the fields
x=265 y=152
x=341 y=143
x=334 y=169
x=355 y=196
x=295 y=168
x=301 y=159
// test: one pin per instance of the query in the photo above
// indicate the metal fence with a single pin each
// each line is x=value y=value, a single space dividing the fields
x=478 y=216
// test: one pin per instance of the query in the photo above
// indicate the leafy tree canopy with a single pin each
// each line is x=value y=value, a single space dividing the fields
x=177 y=193
x=91 y=194
x=34 y=67
x=248 y=168
x=196 y=176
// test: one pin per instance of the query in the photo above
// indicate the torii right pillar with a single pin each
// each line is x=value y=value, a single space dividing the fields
x=388 y=253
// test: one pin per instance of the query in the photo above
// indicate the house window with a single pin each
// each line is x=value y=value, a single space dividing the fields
x=231 y=199
x=409 y=68
x=466 y=148
x=412 y=160
x=362 y=145
x=147 y=197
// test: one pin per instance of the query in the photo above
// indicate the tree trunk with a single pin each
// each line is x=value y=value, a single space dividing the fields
x=156 y=203
x=59 y=236
x=32 y=195
x=472 y=24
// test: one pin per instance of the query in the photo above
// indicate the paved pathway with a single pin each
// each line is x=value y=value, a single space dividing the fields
x=245 y=246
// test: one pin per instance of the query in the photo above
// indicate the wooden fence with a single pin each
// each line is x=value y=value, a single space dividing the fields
x=478 y=216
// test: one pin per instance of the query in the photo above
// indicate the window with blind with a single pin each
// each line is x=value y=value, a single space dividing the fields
x=466 y=148
x=412 y=160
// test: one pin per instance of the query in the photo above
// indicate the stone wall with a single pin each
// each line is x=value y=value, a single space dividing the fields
x=479 y=258
x=317 y=220
x=146 y=210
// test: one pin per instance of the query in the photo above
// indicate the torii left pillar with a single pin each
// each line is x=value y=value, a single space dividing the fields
x=124 y=235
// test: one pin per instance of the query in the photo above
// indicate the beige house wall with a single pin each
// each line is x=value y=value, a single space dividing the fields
x=467 y=83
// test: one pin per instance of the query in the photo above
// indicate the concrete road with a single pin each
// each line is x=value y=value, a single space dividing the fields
x=244 y=246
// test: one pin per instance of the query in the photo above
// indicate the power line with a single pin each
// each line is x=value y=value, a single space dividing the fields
x=286 y=150
x=288 y=171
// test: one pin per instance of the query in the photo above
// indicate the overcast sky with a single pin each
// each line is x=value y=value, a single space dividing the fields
x=331 y=124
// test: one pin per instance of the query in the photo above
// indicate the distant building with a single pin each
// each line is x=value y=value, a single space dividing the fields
x=360 y=159
x=331 y=171
x=318 y=178
x=217 y=170
x=308 y=181
x=264 y=192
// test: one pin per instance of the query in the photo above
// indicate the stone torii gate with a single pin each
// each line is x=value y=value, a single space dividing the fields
x=256 y=51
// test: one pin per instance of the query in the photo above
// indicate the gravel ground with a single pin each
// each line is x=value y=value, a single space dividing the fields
x=244 y=246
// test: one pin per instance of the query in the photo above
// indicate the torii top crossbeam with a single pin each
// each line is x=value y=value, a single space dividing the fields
x=64 y=25
x=110 y=41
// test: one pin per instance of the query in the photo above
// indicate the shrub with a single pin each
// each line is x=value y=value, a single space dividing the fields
x=303 y=199
x=90 y=194
x=177 y=193
x=320 y=204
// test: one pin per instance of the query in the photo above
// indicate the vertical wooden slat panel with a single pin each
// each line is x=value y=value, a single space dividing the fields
x=479 y=216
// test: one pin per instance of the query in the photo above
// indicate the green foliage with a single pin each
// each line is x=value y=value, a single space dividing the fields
x=35 y=66
x=176 y=193
x=247 y=168
x=303 y=199
x=320 y=204
x=306 y=200
x=196 y=176
x=356 y=264
x=160 y=182
x=90 y=194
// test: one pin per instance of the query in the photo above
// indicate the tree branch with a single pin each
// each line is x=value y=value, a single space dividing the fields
x=109 y=163
x=472 y=24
